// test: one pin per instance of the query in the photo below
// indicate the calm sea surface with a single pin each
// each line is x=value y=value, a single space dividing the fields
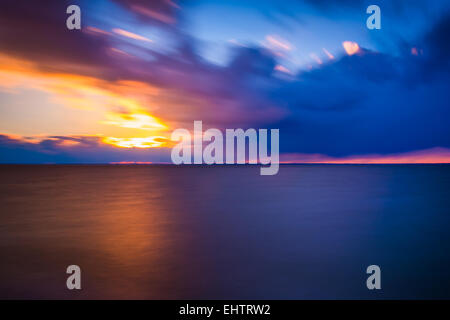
x=225 y=232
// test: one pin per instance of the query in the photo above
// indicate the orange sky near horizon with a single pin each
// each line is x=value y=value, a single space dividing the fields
x=78 y=105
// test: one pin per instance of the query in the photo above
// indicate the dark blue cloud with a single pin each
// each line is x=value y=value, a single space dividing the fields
x=372 y=102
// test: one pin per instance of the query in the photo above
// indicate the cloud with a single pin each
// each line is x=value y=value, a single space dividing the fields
x=436 y=47
x=330 y=5
x=329 y=55
x=137 y=120
x=281 y=68
x=277 y=43
x=36 y=32
x=160 y=11
x=350 y=47
x=365 y=102
x=428 y=156
x=130 y=35
x=143 y=143
x=76 y=149
x=165 y=18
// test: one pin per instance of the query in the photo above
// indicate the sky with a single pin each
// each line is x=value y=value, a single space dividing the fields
x=114 y=91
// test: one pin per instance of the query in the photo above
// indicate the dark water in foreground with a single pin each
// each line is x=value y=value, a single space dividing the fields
x=225 y=232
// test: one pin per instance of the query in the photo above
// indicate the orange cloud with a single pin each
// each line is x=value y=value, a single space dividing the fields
x=122 y=104
x=67 y=142
x=96 y=31
x=139 y=120
x=130 y=35
x=350 y=47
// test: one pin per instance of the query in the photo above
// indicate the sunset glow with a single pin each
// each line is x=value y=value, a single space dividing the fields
x=141 y=121
x=150 y=142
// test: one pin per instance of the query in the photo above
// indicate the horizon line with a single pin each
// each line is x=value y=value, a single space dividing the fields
x=223 y=164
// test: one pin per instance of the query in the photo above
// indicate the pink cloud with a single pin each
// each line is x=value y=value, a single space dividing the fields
x=433 y=155
x=161 y=17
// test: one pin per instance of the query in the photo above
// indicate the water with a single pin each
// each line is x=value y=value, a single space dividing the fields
x=225 y=232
